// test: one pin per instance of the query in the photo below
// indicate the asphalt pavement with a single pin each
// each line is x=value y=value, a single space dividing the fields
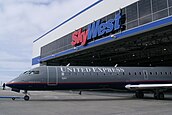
x=89 y=103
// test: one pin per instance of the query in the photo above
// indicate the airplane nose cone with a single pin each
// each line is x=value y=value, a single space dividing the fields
x=9 y=84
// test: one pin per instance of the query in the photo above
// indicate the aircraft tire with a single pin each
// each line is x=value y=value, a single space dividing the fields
x=139 y=94
x=13 y=98
x=26 y=98
x=159 y=96
x=155 y=96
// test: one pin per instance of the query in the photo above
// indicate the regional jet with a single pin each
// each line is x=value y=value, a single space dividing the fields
x=138 y=79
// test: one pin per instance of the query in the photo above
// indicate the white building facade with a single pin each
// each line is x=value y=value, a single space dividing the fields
x=100 y=23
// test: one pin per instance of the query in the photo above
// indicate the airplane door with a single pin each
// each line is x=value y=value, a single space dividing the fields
x=145 y=73
x=52 y=76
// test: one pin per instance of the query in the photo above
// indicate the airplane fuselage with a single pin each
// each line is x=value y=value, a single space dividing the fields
x=78 y=77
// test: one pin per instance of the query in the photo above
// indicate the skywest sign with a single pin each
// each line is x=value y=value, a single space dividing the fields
x=97 y=29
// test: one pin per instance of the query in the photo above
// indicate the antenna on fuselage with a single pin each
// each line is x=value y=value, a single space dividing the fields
x=116 y=65
x=68 y=64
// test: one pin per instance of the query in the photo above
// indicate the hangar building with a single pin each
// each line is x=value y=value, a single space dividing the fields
x=110 y=32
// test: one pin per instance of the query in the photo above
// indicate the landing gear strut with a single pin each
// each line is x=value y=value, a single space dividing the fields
x=26 y=97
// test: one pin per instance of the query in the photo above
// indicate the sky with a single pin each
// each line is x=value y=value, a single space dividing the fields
x=23 y=21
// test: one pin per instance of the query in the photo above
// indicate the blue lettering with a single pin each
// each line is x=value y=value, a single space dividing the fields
x=102 y=29
x=110 y=25
x=93 y=29
x=117 y=21
x=106 y=27
x=97 y=29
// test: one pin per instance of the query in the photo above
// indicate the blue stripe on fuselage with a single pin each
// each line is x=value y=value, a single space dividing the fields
x=86 y=85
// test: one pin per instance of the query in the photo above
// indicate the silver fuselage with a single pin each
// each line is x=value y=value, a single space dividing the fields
x=78 y=77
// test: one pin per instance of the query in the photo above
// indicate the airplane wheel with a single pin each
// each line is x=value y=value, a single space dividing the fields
x=139 y=94
x=13 y=98
x=26 y=98
x=155 y=96
x=80 y=92
x=159 y=96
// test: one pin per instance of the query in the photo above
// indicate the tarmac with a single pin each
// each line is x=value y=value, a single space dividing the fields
x=89 y=103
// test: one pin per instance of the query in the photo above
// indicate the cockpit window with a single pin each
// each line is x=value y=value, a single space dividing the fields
x=31 y=72
x=27 y=72
x=35 y=72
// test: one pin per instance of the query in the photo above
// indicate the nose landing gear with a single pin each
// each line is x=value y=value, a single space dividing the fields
x=26 y=97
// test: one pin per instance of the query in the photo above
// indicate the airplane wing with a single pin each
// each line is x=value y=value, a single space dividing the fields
x=148 y=86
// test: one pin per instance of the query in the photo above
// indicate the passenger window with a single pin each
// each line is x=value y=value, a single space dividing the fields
x=129 y=73
x=135 y=73
x=140 y=73
x=150 y=73
x=166 y=73
x=161 y=73
x=156 y=73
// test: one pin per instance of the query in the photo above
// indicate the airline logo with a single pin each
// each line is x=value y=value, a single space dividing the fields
x=79 y=37
x=97 y=29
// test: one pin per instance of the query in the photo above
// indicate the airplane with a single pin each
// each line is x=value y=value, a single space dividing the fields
x=138 y=79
